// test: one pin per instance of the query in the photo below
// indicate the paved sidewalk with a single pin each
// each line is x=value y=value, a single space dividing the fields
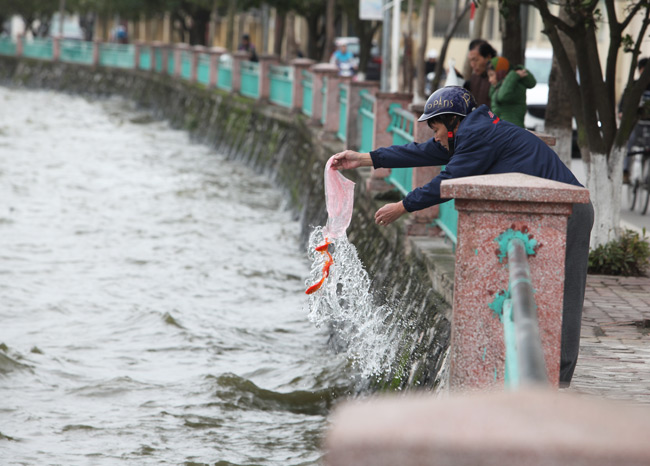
x=614 y=360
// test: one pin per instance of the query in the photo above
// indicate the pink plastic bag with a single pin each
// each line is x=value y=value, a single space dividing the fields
x=339 y=199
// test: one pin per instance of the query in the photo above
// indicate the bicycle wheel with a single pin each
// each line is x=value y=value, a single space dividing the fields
x=645 y=178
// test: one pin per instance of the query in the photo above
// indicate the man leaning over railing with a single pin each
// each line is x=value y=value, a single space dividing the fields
x=473 y=141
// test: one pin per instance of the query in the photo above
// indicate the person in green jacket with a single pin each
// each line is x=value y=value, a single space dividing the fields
x=508 y=90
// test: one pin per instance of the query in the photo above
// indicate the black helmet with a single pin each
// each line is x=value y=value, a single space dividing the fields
x=449 y=100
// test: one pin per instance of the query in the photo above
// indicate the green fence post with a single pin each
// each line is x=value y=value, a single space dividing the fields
x=266 y=62
x=20 y=44
x=322 y=72
x=215 y=55
x=381 y=136
x=237 y=59
x=299 y=65
x=354 y=123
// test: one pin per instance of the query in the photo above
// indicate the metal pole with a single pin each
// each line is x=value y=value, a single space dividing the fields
x=395 y=30
x=385 y=46
x=530 y=354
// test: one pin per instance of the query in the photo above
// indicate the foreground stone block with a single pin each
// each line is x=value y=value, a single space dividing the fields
x=526 y=428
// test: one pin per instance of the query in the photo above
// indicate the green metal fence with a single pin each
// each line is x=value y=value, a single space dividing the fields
x=145 y=57
x=250 y=79
x=203 y=70
x=343 y=113
x=7 y=46
x=281 y=85
x=158 y=60
x=367 y=116
x=401 y=125
x=38 y=48
x=170 y=61
x=117 y=55
x=224 y=75
x=307 y=92
x=76 y=51
x=186 y=64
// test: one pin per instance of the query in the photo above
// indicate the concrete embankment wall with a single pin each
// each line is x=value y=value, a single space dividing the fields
x=281 y=144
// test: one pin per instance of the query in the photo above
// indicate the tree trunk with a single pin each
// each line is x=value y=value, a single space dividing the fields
x=605 y=185
x=559 y=113
x=445 y=44
x=476 y=33
x=511 y=38
x=279 y=32
x=328 y=48
x=231 y=40
x=422 y=50
x=290 y=33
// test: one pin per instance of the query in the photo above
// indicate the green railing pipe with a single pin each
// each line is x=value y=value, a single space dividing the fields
x=307 y=92
x=525 y=363
x=343 y=113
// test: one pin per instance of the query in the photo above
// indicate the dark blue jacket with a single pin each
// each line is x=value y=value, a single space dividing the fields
x=484 y=145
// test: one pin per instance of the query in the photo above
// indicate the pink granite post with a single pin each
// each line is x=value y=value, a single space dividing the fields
x=299 y=64
x=237 y=58
x=215 y=55
x=20 y=45
x=488 y=205
x=165 y=51
x=197 y=50
x=179 y=50
x=56 y=48
x=137 y=48
x=354 y=103
x=420 y=221
x=381 y=137
x=96 y=44
x=528 y=427
x=266 y=61
x=320 y=72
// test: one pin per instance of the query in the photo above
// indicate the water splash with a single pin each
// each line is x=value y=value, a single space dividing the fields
x=345 y=303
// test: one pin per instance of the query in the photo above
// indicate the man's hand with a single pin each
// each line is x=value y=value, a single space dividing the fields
x=389 y=213
x=350 y=159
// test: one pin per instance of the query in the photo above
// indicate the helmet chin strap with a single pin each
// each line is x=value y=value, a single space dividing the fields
x=451 y=126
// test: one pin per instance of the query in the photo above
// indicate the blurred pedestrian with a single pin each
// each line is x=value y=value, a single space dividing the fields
x=480 y=53
x=247 y=46
x=508 y=90
x=344 y=60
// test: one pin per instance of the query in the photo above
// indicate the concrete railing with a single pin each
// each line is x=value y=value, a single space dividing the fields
x=352 y=111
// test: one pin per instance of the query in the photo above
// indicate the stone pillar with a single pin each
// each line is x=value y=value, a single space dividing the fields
x=137 y=49
x=266 y=61
x=381 y=137
x=197 y=50
x=56 y=49
x=320 y=72
x=299 y=64
x=489 y=206
x=528 y=427
x=237 y=58
x=420 y=221
x=354 y=103
x=20 y=44
x=178 y=58
x=96 y=52
x=215 y=54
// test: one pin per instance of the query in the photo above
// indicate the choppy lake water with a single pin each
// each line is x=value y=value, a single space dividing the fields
x=152 y=306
